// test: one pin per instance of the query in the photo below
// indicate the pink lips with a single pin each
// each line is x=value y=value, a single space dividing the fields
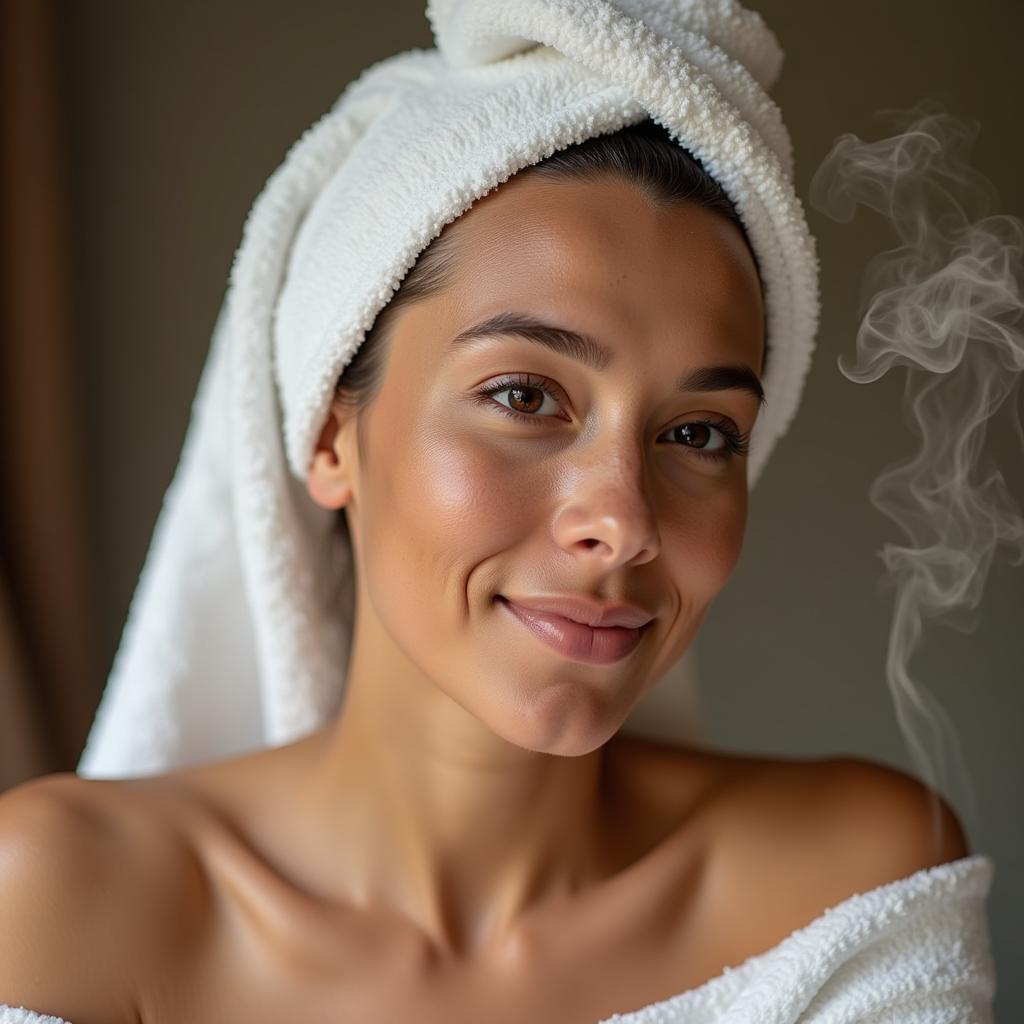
x=595 y=645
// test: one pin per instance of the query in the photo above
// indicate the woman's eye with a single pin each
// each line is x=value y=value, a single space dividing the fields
x=711 y=439
x=522 y=398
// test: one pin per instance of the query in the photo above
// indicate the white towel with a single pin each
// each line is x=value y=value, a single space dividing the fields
x=238 y=632
x=913 y=951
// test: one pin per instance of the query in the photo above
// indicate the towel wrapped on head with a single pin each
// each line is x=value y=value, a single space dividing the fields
x=242 y=617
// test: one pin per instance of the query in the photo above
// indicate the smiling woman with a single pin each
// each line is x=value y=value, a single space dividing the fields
x=514 y=406
x=551 y=464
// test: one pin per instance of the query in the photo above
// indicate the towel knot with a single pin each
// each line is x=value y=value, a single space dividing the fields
x=473 y=33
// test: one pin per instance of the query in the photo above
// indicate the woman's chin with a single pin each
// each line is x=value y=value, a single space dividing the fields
x=569 y=720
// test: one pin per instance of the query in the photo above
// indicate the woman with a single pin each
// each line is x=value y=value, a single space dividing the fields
x=539 y=462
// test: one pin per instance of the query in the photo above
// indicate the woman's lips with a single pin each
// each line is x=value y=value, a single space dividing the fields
x=594 y=645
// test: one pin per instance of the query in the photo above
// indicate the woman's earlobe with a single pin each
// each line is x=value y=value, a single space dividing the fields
x=329 y=478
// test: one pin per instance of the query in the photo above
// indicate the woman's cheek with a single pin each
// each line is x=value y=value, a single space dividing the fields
x=702 y=543
x=723 y=540
x=456 y=496
x=481 y=492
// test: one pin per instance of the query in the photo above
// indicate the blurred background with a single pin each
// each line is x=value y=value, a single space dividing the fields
x=135 y=137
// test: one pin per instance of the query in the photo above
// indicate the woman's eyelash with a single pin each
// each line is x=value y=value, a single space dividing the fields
x=736 y=442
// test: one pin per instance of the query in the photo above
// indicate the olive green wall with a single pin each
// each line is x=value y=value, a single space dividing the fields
x=177 y=113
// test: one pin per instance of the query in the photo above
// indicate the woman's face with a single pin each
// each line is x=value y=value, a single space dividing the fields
x=605 y=485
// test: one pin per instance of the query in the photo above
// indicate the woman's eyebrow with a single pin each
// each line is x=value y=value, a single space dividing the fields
x=592 y=353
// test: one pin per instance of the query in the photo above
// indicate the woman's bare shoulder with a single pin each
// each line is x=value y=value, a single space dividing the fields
x=898 y=822
x=782 y=839
x=883 y=817
x=798 y=836
x=90 y=872
x=777 y=807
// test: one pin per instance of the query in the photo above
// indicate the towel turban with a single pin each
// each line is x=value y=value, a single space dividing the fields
x=240 y=625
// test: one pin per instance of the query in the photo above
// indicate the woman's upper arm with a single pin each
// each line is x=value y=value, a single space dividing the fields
x=64 y=906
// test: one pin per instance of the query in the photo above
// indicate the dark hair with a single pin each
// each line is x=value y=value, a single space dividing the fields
x=643 y=153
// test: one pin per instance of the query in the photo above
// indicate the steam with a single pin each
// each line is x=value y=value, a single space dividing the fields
x=946 y=304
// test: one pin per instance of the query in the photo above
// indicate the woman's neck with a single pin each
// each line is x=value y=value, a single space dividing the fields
x=419 y=808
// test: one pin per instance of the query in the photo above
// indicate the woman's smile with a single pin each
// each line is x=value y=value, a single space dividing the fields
x=595 y=645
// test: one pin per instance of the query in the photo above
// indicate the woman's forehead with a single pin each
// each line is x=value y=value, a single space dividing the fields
x=603 y=249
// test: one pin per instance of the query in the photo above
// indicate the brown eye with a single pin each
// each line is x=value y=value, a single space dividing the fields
x=699 y=435
x=520 y=403
x=526 y=399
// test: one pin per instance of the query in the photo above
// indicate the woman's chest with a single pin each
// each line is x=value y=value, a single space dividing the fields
x=260 y=948
x=268 y=962
x=377 y=984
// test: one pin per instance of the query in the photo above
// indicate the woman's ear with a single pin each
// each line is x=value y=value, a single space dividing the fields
x=332 y=471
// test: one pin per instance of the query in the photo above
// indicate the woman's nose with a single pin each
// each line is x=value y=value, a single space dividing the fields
x=608 y=516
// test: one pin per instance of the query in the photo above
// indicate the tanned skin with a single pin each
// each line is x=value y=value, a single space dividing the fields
x=473 y=839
